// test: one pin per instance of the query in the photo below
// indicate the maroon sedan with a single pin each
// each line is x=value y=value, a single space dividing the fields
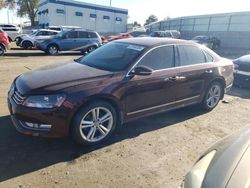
x=117 y=83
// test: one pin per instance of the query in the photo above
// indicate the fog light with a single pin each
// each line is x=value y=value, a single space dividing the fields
x=38 y=126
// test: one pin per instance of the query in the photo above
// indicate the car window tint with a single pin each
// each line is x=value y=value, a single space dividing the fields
x=71 y=34
x=40 y=33
x=159 y=58
x=52 y=33
x=83 y=34
x=92 y=35
x=190 y=55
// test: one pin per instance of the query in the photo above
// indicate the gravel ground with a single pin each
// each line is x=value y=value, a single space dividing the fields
x=152 y=152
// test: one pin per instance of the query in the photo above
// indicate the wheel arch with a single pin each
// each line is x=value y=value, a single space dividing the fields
x=26 y=41
x=107 y=98
x=53 y=43
x=222 y=81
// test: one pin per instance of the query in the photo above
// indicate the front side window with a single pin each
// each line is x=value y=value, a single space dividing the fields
x=115 y=56
x=159 y=58
x=190 y=55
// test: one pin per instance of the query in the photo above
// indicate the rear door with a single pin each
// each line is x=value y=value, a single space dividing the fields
x=194 y=73
x=69 y=42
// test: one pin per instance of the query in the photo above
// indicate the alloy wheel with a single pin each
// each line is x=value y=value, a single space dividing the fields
x=53 y=50
x=213 y=96
x=96 y=124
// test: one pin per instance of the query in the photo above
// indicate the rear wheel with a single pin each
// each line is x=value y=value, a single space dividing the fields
x=2 y=50
x=27 y=45
x=52 y=49
x=212 y=96
x=94 y=124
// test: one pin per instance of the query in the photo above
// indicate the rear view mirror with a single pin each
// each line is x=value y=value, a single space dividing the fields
x=141 y=71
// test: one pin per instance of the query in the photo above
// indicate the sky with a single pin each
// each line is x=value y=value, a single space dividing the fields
x=139 y=10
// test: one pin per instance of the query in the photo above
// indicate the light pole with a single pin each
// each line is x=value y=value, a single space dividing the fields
x=110 y=2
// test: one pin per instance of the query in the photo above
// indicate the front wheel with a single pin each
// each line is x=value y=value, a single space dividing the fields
x=52 y=49
x=2 y=50
x=27 y=45
x=212 y=96
x=94 y=123
x=91 y=49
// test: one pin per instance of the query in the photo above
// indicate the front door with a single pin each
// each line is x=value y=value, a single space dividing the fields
x=148 y=94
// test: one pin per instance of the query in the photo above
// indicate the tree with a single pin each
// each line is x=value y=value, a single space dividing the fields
x=29 y=8
x=24 y=7
x=136 y=24
x=152 y=18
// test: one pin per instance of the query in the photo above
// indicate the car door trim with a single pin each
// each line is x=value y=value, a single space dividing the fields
x=163 y=105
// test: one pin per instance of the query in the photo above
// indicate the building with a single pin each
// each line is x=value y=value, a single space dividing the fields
x=103 y=19
x=233 y=29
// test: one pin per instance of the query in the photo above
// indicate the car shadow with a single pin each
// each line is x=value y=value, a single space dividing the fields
x=20 y=154
x=240 y=92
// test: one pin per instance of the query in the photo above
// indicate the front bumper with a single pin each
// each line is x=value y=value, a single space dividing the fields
x=23 y=117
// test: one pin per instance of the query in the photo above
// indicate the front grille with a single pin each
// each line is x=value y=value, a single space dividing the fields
x=18 y=98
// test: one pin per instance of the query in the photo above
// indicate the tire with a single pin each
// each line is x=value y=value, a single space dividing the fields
x=2 y=50
x=52 y=49
x=27 y=45
x=91 y=49
x=93 y=132
x=213 y=96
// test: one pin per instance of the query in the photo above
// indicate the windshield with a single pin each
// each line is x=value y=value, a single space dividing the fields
x=115 y=56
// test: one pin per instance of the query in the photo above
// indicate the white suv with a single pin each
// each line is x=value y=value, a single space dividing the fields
x=28 y=41
x=12 y=31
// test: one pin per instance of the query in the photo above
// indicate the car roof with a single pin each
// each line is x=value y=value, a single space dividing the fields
x=156 y=41
x=48 y=30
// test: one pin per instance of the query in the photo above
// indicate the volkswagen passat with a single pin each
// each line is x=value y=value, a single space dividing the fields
x=119 y=82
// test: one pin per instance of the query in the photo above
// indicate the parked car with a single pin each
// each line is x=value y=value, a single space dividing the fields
x=119 y=36
x=242 y=71
x=63 y=28
x=28 y=41
x=209 y=41
x=166 y=33
x=119 y=82
x=11 y=30
x=225 y=165
x=4 y=42
x=76 y=39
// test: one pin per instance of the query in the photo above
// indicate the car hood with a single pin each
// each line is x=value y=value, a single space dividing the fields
x=228 y=154
x=58 y=76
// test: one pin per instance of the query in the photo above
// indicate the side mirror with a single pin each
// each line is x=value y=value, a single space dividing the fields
x=141 y=71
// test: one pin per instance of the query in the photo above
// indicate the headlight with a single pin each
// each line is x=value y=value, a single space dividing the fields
x=45 y=101
x=196 y=176
x=236 y=66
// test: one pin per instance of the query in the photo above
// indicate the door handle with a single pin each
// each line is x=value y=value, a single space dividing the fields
x=209 y=71
x=175 y=78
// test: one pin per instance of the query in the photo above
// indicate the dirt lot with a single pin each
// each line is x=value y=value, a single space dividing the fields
x=151 y=152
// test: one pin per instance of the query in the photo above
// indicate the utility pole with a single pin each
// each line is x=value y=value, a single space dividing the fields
x=110 y=2
x=8 y=15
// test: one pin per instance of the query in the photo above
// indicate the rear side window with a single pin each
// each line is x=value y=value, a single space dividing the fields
x=190 y=55
x=159 y=58
x=92 y=35
x=83 y=34
x=209 y=57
